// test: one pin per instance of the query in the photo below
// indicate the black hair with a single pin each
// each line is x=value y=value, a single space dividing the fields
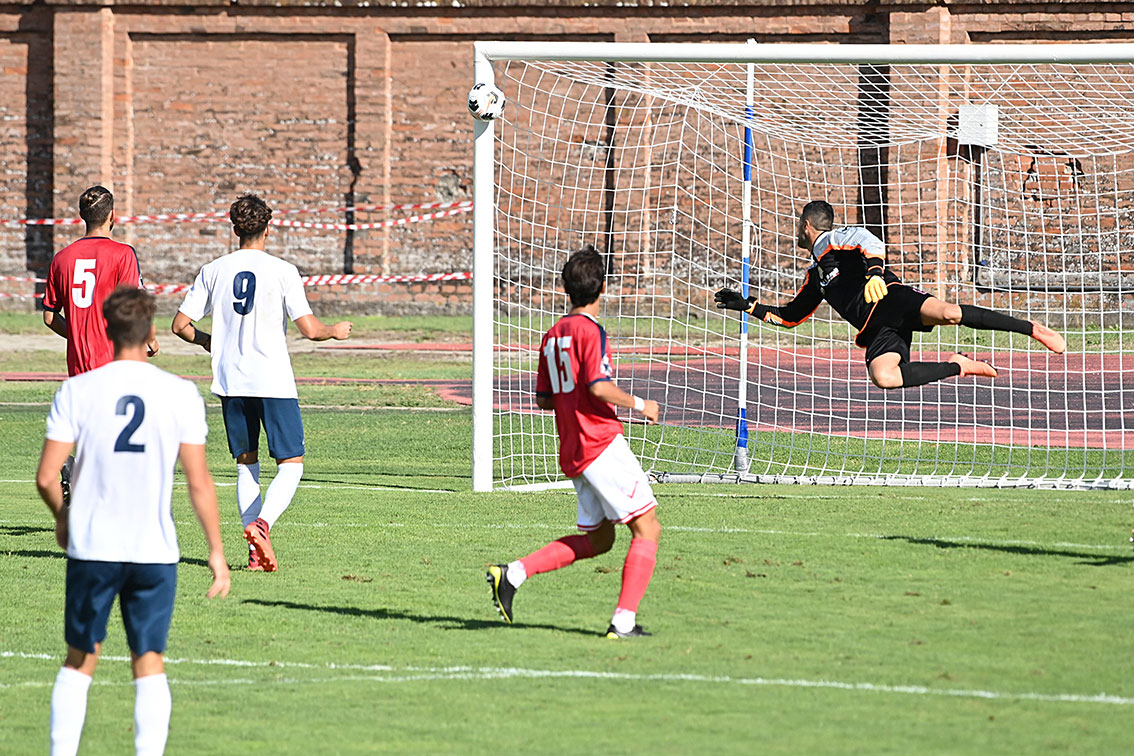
x=583 y=276
x=250 y=216
x=819 y=214
x=129 y=313
x=96 y=205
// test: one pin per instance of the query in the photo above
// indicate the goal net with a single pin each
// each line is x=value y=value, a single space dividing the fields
x=1001 y=176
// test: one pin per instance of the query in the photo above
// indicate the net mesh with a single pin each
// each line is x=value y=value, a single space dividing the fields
x=1006 y=186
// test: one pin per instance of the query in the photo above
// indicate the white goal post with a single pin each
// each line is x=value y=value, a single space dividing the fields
x=997 y=175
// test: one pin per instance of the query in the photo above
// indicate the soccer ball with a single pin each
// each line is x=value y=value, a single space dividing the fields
x=486 y=102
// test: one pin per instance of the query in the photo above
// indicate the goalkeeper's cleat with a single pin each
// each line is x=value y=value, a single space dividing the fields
x=65 y=480
x=502 y=590
x=257 y=536
x=254 y=563
x=635 y=632
x=1049 y=338
x=973 y=367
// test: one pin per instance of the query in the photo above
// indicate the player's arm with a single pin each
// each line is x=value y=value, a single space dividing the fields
x=203 y=497
x=56 y=322
x=788 y=315
x=608 y=391
x=51 y=462
x=52 y=307
x=316 y=330
x=184 y=328
x=874 y=256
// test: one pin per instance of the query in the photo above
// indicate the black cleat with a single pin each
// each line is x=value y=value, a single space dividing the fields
x=502 y=590
x=65 y=480
x=637 y=632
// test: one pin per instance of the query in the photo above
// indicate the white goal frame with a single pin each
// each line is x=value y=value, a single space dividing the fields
x=488 y=52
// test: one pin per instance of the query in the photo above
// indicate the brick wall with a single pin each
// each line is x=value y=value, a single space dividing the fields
x=179 y=109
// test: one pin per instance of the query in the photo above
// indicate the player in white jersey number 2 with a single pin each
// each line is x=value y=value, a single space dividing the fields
x=129 y=423
x=251 y=295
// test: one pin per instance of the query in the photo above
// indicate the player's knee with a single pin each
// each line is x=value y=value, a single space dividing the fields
x=602 y=540
x=889 y=378
x=646 y=526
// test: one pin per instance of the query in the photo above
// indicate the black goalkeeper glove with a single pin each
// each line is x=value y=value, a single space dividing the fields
x=727 y=299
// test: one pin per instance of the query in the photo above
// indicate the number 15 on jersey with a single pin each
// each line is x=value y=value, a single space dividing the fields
x=559 y=370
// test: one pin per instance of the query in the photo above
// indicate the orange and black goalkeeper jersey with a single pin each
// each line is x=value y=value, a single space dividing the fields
x=842 y=261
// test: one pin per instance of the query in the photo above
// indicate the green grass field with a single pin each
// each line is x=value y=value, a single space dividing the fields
x=795 y=620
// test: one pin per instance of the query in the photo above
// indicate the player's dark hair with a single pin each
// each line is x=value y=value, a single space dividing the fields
x=96 y=205
x=583 y=276
x=250 y=216
x=819 y=214
x=129 y=313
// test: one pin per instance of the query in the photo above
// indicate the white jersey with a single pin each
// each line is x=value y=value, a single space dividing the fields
x=848 y=237
x=127 y=420
x=251 y=295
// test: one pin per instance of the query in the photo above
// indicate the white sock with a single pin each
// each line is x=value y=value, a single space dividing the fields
x=68 y=710
x=281 y=491
x=152 y=707
x=248 y=492
x=624 y=620
x=516 y=573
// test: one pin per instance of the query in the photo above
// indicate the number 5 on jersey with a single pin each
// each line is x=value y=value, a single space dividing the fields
x=559 y=367
x=83 y=283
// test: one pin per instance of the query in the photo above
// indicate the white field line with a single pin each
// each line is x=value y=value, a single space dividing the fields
x=673 y=529
x=433 y=674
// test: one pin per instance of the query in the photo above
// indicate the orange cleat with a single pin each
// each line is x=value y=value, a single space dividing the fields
x=1049 y=338
x=257 y=536
x=973 y=367
x=254 y=562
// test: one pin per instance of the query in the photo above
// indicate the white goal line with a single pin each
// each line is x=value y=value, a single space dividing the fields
x=465 y=673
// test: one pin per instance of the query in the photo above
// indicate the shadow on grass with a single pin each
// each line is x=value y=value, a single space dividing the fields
x=454 y=623
x=19 y=530
x=1093 y=560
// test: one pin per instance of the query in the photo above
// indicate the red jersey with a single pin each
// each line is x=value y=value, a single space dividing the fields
x=572 y=357
x=82 y=275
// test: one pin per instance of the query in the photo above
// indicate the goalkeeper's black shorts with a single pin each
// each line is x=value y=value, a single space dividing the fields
x=892 y=322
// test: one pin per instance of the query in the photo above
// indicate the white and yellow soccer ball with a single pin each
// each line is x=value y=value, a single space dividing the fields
x=486 y=102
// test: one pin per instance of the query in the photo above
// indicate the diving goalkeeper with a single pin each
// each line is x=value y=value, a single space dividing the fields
x=848 y=270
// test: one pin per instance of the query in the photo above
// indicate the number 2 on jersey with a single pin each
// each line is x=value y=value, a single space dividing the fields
x=124 y=444
x=244 y=289
x=559 y=366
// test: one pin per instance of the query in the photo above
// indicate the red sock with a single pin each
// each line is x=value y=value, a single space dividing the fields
x=636 y=572
x=558 y=554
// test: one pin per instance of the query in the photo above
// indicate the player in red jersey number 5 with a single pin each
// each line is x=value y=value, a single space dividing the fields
x=575 y=380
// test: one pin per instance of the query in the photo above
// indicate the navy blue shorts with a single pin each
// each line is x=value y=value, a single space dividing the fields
x=145 y=594
x=243 y=416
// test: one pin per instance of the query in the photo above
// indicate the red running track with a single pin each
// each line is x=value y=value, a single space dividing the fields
x=1039 y=399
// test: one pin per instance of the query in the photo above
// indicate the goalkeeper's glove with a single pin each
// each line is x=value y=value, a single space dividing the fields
x=727 y=299
x=875 y=289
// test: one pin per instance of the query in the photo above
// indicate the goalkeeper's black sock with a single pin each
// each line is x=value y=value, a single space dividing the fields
x=921 y=373
x=991 y=320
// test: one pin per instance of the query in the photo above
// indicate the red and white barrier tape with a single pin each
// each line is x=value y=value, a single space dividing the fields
x=368 y=226
x=323 y=280
x=448 y=208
